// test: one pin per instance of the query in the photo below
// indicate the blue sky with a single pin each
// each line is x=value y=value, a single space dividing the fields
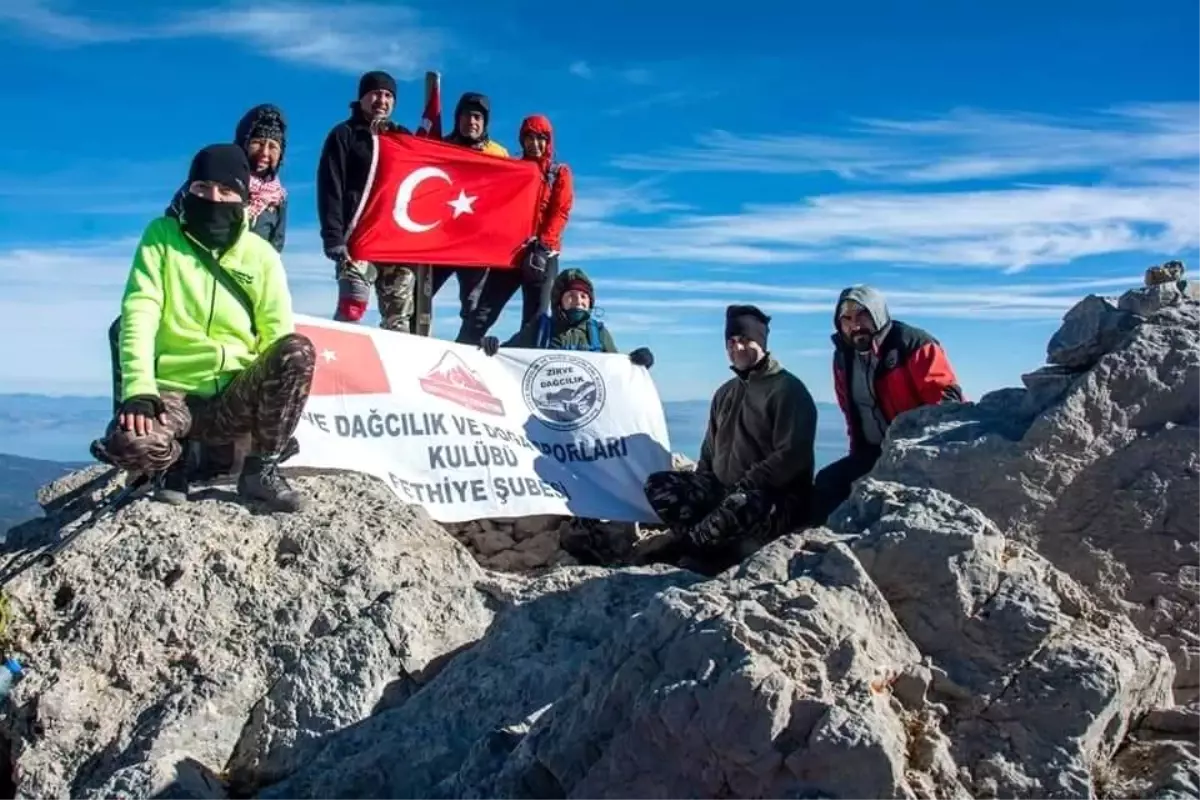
x=986 y=168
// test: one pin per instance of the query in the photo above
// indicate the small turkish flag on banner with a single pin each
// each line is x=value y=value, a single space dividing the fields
x=436 y=203
x=347 y=363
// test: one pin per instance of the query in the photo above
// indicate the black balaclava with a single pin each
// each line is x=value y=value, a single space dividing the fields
x=217 y=225
x=747 y=321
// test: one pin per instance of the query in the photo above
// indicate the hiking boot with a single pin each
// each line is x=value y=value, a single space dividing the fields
x=261 y=480
x=173 y=488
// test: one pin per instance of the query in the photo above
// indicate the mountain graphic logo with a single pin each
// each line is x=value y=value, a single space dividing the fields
x=453 y=380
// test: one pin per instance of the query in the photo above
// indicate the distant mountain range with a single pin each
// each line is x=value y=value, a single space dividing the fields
x=20 y=478
x=43 y=437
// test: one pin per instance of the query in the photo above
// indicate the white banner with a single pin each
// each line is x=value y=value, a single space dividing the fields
x=468 y=437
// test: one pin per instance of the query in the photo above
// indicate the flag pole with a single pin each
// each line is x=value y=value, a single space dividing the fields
x=423 y=278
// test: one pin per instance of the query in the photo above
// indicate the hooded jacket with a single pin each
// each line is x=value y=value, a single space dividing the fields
x=563 y=335
x=271 y=222
x=484 y=143
x=557 y=194
x=342 y=173
x=180 y=329
x=762 y=430
x=906 y=368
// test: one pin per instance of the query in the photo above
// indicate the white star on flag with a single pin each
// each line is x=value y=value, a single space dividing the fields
x=462 y=204
x=328 y=355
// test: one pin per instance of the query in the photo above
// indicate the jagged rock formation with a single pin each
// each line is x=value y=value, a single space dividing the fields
x=1000 y=610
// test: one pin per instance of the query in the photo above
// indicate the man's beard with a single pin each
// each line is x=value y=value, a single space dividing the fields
x=861 y=341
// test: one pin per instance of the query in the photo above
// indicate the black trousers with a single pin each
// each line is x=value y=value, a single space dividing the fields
x=485 y=293
x=833 y=484
x=470 y=288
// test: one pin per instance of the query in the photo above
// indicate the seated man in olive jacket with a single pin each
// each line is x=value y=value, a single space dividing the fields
x=754 y=478
x=569 y=325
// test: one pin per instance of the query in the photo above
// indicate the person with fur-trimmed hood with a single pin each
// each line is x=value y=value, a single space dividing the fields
x=882 y=367
x=754 y=478
x=571 y=326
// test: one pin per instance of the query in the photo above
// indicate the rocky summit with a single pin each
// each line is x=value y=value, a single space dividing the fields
x=1005 y=607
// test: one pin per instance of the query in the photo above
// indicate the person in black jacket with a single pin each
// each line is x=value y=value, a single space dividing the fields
x=472 y=115
x=341 y=180
x=262 y=133
x=754 y=479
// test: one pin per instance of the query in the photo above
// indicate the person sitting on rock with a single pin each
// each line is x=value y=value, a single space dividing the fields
x=571 y=326
x=755 y=472
x=882 y=367
x=208 y=349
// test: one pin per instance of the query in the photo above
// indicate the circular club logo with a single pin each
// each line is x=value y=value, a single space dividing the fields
x=565 y=392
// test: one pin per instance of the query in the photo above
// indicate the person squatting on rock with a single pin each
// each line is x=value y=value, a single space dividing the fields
x=207 y=344
x=262 y=133
x=882 y=367
x=571 y=326
x=341 y=181
x=754 y=477
x=539 y=263
x=472 y=115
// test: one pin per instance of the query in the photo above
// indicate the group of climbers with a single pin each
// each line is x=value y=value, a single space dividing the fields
x=342 y=176
x=204 y=351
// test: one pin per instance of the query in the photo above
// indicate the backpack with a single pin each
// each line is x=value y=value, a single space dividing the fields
x=593 y=335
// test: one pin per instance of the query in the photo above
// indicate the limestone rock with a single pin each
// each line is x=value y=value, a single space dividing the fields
x=1090 y=329
x=1104 y=480
x=216 y=634
x=527 y=660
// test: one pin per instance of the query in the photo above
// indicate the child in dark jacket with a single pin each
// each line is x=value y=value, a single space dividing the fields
x=569 y=325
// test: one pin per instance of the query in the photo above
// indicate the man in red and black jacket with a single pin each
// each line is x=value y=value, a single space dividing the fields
x=881 y=368
x=539 y=263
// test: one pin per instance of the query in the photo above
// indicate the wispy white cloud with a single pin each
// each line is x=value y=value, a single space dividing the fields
x=605 y=199
x=963 y=145
x=1010 y=229
x=346 y=37
x=50 y=23
x=581 y=69
x=351 y=37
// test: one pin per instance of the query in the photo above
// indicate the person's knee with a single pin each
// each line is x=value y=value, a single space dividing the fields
x=296 y=351
x=150 y=452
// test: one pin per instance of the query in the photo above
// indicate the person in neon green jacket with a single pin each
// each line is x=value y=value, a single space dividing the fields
x=208 y=350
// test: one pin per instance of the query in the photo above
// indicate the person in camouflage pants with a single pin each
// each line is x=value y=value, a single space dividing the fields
x=395 y=287
x=753 y=481
x=263 y=401
x=207 y=344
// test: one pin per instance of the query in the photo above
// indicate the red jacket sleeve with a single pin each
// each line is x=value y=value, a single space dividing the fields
x=558 y=208
x=932 y=375
x=843 y=401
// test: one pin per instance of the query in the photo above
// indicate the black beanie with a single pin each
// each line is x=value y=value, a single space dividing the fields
x=747 y=321
x=225 y=164
x=376 y=80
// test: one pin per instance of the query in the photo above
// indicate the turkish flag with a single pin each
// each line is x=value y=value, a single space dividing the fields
x=435 y=203
x=347 y=363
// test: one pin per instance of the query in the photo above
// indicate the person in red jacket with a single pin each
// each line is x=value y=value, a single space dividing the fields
x=539 y=264
x=882 y=367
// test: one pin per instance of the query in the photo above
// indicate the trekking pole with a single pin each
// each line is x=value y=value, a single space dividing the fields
x=431 y=126
x=72 y=530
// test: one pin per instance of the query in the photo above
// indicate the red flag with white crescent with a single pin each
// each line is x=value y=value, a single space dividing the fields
x=434 y=203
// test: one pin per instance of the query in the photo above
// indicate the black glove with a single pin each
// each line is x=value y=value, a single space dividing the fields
x=338 y=254
x=490 y=345
x=144 y=405
x=642 y=357
x=536 y=260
